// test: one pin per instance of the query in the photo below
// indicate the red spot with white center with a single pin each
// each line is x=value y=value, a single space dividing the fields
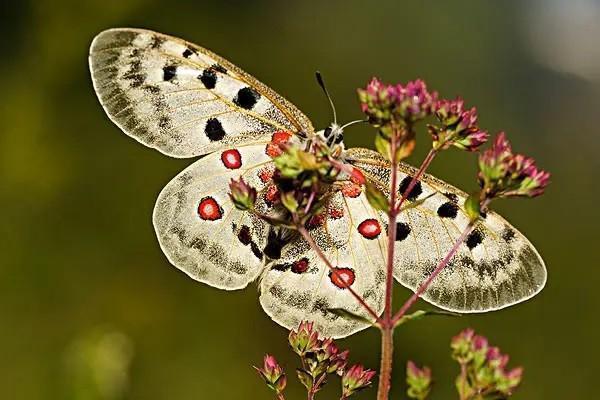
x=369 y=228
x=273 y=149
x=232 y=159
x=342 y=277
x=300 y=266
x=266 y=174
x=335 y=212
x=271 y=195
x=209 y=209
x=351 y=189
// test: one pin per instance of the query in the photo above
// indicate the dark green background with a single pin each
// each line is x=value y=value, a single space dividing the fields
x=78 y=252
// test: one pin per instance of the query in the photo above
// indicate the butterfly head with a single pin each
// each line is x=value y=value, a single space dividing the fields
x=333 y=137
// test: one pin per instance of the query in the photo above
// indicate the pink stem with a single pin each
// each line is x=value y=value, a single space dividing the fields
x=435 y=273
x=426 y=162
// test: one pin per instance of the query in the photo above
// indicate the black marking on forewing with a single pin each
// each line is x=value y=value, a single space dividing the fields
x=219 y=68
x=402 y=231
x=416 y=190
x=188 y=52
x=246 y=98
x=448 y=210
x=214 y=130
x=169 y=72
x=474 y=239
x=208 y=78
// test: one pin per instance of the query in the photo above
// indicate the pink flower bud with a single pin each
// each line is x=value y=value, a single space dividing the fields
x=356 y=378
x=305 y=339
x=242 y=195
x=273 y=374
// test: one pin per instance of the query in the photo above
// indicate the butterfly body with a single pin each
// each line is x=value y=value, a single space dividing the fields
x=186 y=101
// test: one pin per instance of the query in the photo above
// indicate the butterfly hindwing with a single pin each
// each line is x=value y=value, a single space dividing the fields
x=496 y=266
x=182 y=99
x=299 y=286
x=200 y=230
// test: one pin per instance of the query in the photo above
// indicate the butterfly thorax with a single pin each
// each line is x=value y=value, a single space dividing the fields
x=333 y=137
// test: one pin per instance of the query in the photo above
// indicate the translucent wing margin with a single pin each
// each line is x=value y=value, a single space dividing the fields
x=496 y=266
x=182 y=99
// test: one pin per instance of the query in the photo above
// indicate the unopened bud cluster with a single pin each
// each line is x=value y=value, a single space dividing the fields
x=485 y=368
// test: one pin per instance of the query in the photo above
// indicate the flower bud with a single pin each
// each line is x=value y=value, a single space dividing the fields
x=273 y=374
x=458 y=127
x=418 y=381
x=356 y=378
x=242 y=195
x=305 y=339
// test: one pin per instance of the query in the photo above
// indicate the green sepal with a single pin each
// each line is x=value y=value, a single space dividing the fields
x=473 y=206
x=305 y=378
x=289 y=201
x=376 y=198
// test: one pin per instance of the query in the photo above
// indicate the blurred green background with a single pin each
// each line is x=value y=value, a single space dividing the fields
x=91 y=309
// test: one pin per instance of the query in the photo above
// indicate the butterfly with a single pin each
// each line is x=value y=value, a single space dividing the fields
x=185 y=101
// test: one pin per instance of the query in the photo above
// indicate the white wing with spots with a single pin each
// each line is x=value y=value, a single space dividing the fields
x=182 y=99
x=496 y=266
x=199 y=229
x=300 y=286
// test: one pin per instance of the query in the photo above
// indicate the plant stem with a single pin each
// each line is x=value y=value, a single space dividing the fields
x=435 y=273
x=311 y=242
x=387 y=328
x=280 y=396
x=385 y=369
x=424 y=165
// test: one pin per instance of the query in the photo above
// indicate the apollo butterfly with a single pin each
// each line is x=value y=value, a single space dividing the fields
x=186 y=101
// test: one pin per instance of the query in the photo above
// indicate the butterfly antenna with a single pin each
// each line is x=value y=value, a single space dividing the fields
x=322 y=84
x=353 y=122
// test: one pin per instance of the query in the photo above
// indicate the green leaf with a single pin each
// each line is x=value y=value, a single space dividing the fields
x=472 y=206
x=382 y=145
x=423 y=313
x=377 y=198
x=304 y=378
x=341 y=312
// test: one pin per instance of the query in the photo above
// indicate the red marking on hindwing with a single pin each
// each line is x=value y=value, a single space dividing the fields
x=300 y=266
x=271 y=195
x=315 y=221
x=342 y=277
x=209 y=209
x=273 y=149
x=357 y=177
x=335 y=213
x=351 y=189
x=369 y=228
x=232 y=159
x=266 y=174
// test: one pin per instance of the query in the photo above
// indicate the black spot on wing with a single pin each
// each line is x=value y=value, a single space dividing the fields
x=508 y=234
x=156 y=42
x=218 y=68
x=188 y=52
x=246 y=98
x=416 y=190
x=169 y=72
x=474 y=239
x=448 y=210
x=244 y=235
x=256 y=251
x=214 y=130
x=208 y=78
x=402 y=231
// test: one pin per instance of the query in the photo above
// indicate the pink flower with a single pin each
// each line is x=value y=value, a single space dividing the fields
x=504 y=174
x=459 y=126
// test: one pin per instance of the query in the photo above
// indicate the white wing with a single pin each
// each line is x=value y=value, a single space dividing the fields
x=496 y=266
x=182 y=99
x=290 y=294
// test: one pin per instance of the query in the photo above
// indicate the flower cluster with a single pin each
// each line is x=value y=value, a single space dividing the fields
x=458 y=127
x=418 y=381
x=320 y=358
x=273 y=374
x=401 y=104
x=505 y=174
x=483 y=367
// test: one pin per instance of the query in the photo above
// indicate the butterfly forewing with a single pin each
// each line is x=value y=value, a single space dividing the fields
x=495 y=267
x=300 y=286
x=182 y=99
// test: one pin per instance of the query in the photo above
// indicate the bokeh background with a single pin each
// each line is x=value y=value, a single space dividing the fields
x=90 y=309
